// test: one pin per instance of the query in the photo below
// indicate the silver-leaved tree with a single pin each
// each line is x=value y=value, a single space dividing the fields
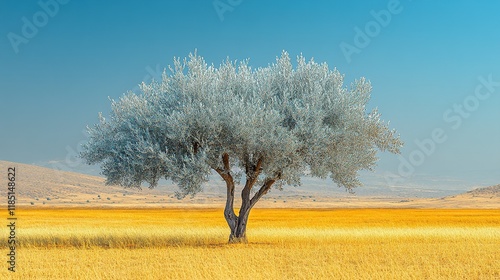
x=269 y=126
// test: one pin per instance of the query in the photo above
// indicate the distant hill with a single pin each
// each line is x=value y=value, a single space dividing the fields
x=43 y=187
x=493 y=191
x=40 y=186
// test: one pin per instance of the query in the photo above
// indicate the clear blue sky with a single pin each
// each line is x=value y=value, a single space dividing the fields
x=60 y=62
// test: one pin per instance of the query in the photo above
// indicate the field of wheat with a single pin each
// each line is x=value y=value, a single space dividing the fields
x=283 y=244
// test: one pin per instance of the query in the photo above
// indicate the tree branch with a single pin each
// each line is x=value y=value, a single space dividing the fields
x=262 y=191
x=221 y=172
x=225 y=161
x=256 y=171
x=253 y=172
x=252 y=175
x=224 y=173
x=229 y=214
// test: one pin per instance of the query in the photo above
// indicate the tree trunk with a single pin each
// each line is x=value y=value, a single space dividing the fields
x=238 y=224
x=239 y=235
x=229 y=215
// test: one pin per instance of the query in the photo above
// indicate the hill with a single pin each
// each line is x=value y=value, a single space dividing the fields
x=485 y=197
x=493 y=191
x=40 y=186
x=44 y=187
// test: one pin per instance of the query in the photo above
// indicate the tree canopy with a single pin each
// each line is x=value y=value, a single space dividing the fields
x=272 y=123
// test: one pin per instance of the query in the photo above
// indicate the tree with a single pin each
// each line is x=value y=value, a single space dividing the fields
x=270 y=125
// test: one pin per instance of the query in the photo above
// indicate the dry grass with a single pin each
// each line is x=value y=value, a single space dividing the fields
x=284 y=243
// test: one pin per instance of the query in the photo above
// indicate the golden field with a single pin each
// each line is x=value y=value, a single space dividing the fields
x=69 y=243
